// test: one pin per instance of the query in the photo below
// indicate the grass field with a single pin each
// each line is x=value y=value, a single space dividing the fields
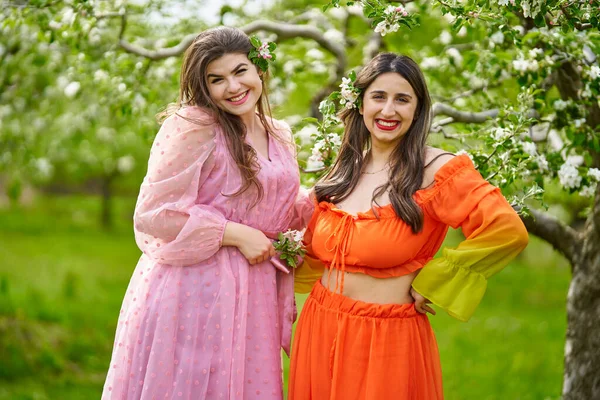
x=62 y=280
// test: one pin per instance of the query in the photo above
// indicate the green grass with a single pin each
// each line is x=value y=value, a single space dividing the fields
x=62 y=280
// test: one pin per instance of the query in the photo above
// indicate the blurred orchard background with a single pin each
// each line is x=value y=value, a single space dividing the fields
x=515 y=85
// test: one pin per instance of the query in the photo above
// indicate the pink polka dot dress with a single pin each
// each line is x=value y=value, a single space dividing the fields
x=198 y=321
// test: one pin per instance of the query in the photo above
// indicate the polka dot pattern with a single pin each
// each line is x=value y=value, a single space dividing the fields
x=197 y=321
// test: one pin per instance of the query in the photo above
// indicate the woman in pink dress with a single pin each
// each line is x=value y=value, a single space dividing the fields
x=206 y=313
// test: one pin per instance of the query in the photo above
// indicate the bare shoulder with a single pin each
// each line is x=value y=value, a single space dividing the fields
x=434 y=160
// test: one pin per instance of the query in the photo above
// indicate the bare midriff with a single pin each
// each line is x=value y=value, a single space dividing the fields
x=357 y=286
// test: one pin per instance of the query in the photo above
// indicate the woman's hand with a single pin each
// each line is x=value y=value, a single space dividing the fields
x=421 y=303
x=252 y=243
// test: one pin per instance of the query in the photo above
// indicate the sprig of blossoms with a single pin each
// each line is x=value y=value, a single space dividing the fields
x=327 y=139
x=262 y=53
x=568 y=175
x=391 y=20
x=350 y=94
x=290 y=248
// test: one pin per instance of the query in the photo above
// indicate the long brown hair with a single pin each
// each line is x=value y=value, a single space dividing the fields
x=407 y=159
x=193 y=91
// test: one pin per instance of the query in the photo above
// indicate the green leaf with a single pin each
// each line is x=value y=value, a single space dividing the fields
x=368 y=9
x=255 y=41
x=352 y=76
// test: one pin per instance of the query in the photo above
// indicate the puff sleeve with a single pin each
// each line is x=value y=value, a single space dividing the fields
x=494 y=234
x=169 y=227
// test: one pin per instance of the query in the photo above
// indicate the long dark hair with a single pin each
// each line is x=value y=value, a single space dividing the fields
x=193 y=91
x=406 y=160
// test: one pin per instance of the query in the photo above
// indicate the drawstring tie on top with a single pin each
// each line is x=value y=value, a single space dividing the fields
x=338 y=243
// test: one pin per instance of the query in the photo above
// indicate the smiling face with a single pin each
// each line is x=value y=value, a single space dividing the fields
x=388 y=109
x=234 y=84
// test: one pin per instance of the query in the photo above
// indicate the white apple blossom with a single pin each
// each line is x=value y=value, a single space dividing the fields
x=306 y=133
x=529 y=148
x=335 y=139
x=68 y=16
x=560 y=105
x=520 y=29
x=277 y=97
x=71 y=89
x=531 y=8
x=319 y=68
x=445 y=37
x=533 y=53
x=105 y=134
x=587 y=191
x=430 y=62
x=594 y=173
x=44 y=167
x=100 y=75
x=501 y=134
x=319 y=144
x=455 y=55
x=349 y=93
x=497 y=37
x=125 y=164
x=587 y=92
x=314 y=162
x=315 y=54
x=289 y=67
x=55 y=25
x=542 y=163
x=579 y=122
x=523 y=65
x=139 y=101
x=293 y=120
x=569 y=176
x=337 y=12
x=122 y=87
x=594 y=72
x=384 y=28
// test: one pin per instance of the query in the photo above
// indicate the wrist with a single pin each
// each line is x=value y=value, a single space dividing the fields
x=232 y=234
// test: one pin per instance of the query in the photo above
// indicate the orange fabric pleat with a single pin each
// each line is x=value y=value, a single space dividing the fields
x=346 y=349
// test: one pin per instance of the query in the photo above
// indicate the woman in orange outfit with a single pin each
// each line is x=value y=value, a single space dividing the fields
x=383 y=212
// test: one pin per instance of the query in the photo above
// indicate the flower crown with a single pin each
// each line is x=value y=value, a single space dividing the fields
x=261 y=53
x=350 y=94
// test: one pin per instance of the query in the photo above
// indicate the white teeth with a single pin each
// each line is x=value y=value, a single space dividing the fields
x=241 y=96
x=385 y=123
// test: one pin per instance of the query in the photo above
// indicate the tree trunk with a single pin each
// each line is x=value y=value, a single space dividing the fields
x=582 y=347
x=106 y=212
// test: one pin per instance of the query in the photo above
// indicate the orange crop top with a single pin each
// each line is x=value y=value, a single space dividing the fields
x=386 y=247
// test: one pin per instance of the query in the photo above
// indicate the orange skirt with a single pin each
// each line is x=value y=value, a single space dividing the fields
x=346 y=349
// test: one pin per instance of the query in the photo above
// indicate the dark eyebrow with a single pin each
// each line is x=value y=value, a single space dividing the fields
x=384 y=92
x=233 y=71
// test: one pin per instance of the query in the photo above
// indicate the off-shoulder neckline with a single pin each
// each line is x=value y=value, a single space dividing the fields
x=421 y=196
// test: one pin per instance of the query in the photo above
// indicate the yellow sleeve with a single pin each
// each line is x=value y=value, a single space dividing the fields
x=494 y=233
x=311 y=269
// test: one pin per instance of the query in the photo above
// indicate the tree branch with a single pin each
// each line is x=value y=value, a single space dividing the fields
x=282 y=30
x=463 y=116
x=159 y=54
x=561 y=236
